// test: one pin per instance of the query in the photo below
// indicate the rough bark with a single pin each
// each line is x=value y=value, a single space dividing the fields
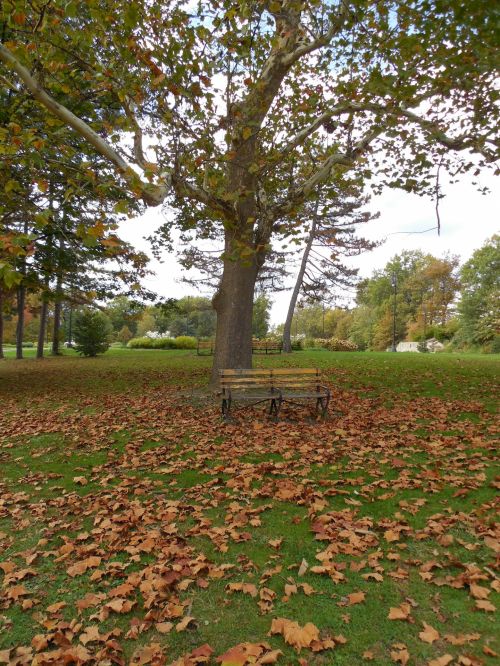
x=287 y=341
x=43 y=327
x=234 y=306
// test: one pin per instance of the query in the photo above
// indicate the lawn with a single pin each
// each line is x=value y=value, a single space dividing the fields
x=137 y=528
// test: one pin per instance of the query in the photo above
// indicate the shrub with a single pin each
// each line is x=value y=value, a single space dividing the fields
x=91 y=332
x=297 y=344
x=335 y=344
x=185 y=342
x=308 y=343
x=422 y=347
x=28 y=345
x=151 y=343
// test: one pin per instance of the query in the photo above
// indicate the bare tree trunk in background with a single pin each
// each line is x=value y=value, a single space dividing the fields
x=21 y=301
x=43 y=326
x=58 y=301
x=1 y=324
x=57 y=319
x=287 y=330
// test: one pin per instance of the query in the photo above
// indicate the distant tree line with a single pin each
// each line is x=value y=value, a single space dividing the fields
x=424 y=296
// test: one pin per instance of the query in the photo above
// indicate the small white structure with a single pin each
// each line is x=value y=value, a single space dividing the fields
x=433 y=345
x=407 y=346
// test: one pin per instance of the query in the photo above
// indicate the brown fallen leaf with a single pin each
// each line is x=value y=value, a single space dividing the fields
x=295 y=635
x=479 y=592
x=484 y=604
x=355 y=598
x=400 y=613
x=444 y=660
x=429 y=634
x=400 y=656
x=275 y=543
x=80 y=480
x=120 y=605
x=164 y=627
x=246 y=588
x=391 y=535
x=81 y=567
x=149 y=654
x=55 y=608
x=303 y=567
x=461 y=639
x=187 y=622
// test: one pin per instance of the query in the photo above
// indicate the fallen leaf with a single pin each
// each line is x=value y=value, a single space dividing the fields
x=400 y=613
x=187 y=622
x=441 y=661
x=295 y=635
x=429 y=634
x=355 y=598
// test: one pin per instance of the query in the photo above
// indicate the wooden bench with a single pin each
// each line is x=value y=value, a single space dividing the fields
x=273 y=385
x=205 y=347
x=266 y=347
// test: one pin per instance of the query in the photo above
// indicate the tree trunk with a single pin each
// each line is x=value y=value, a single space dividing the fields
x=21 y=300
x=58 y=301
x=287 y=331
x=1 y=325
x=57 y=326
x=43 y=326
x=234 y=306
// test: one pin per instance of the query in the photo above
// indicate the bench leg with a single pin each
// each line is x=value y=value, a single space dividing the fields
x=226 y=407
x=323 y=403
x=274 y=408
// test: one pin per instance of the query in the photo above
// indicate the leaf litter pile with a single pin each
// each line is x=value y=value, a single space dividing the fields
x=135 y=528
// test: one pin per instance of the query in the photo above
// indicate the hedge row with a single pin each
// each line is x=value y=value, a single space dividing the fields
x=335 y=344
x=181 y=342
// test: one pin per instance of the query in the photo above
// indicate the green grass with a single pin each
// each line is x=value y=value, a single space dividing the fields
x=163 y=488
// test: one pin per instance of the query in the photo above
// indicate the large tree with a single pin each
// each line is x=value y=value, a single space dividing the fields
x=230 y=96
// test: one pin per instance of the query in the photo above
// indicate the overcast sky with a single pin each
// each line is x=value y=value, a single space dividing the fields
x=468 y=218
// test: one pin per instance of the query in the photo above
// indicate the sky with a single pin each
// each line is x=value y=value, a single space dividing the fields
x=468 y=219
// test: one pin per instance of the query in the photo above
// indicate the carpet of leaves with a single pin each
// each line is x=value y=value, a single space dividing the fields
x=137 y=528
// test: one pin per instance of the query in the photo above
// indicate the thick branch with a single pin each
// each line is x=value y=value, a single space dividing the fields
x=151 y=194
x=347 y=159
x=184 y=189
x=336 y=25
x=138 y=150
x=301 y=136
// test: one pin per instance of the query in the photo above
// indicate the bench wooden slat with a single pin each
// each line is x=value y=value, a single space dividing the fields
x=298 y=371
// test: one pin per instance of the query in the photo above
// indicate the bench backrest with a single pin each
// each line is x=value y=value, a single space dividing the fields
x=244 y=379
x=266 y=346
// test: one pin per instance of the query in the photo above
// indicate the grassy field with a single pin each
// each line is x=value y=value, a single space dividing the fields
x=137 y=528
